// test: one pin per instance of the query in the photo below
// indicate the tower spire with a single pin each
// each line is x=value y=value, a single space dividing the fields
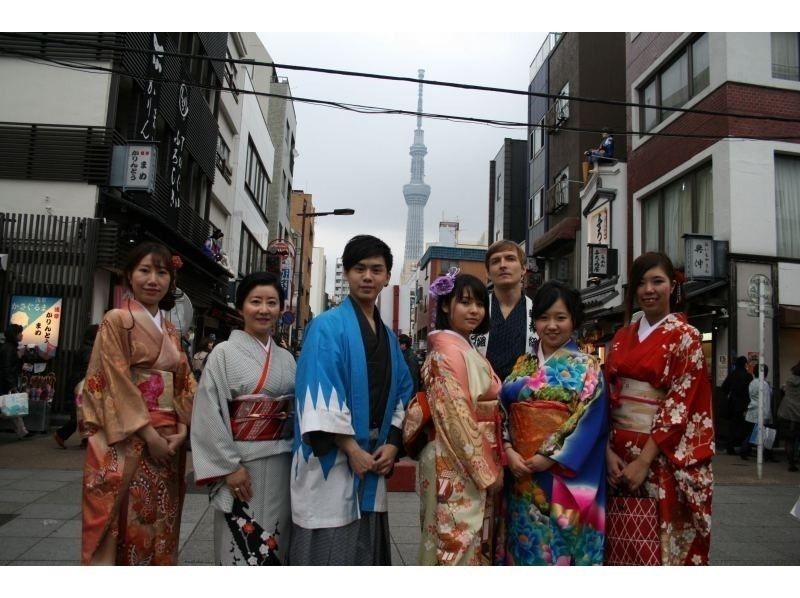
x=416 y=193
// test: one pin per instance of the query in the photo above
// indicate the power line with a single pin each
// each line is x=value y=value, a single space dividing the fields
x=366 y=109
x=466 y=86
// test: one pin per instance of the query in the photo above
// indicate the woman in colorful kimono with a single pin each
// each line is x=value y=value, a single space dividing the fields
x=242 y=431
x=554 y=434
x=137 y=404
x=459 y=468
x=662 y=437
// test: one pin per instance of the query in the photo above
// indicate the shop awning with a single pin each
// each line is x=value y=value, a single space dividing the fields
x=694 y=288
x=557 y=235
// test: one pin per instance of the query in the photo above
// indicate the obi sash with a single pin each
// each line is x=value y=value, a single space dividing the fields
x=533 y=422
x=260 y=417
x=637 y=406
x=158 y=392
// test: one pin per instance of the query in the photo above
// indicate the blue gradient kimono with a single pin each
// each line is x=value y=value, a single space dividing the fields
x=557 y=517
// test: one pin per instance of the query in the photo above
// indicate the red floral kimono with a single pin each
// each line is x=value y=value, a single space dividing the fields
x=137 y=375
x=660 y=388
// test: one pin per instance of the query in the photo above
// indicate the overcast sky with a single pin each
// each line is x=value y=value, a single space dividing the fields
x=349 y=160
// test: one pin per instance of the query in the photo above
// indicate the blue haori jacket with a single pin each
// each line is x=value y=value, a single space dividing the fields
x=332 y=395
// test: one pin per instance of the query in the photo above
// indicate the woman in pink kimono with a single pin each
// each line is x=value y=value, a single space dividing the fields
x=460 y=467
x=137 y=401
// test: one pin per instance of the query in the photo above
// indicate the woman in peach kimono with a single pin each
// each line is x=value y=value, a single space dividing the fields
x=460 y=467
x=137 y=401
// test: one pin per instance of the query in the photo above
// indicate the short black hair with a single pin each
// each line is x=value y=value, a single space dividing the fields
x=552 y=291
x=479 y=292
x=257 y=279
x=740 y=363
x=404 y=339
x=362 y=247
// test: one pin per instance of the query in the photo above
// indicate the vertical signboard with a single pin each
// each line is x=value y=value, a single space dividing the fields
x=176 y=154
x=155 y=72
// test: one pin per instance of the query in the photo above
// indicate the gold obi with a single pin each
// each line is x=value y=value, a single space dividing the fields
x=637 y=406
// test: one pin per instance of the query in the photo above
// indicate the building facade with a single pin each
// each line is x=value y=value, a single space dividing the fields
x=507 y=185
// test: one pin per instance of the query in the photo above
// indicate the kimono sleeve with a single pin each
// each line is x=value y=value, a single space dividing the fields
x=111 y=401
x=214 y=452
x=455 y=419
x=682 y=426
x=321 y=385
x=572 y=444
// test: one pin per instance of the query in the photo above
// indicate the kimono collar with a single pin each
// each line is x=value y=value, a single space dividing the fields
x=646 y=329
x=157 y=319
x=570 y=345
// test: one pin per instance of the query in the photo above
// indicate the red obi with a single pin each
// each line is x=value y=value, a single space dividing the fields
x=260 y=417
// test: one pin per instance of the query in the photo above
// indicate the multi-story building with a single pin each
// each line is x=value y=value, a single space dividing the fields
x=508 y=179
x=732 y=180
x=318 y=301
x=97 y=159
x=303 y=227
x=282 y=125
x=341 y=288
x=568 y=66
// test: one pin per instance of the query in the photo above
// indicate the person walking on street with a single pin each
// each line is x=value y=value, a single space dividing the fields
x=789 y=415
x=737 y=390
x=9 y=372
x=751 y=415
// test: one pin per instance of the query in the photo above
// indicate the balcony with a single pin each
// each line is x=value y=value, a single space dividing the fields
x=557 y=196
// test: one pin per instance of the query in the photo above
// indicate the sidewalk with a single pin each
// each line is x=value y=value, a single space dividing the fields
x=40 y=490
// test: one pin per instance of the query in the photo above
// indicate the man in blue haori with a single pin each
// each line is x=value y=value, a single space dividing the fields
x=351 y=390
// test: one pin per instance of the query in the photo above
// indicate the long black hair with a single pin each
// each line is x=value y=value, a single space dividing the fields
x=643 y=263
x=476 y=288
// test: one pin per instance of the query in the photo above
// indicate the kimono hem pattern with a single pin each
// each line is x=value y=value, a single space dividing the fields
x=670 y=360
x=233 y=369
x=137 y=375
x=462 y=461
x=556 y=516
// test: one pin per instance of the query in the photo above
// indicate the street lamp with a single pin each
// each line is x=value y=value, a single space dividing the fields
x=304 y=214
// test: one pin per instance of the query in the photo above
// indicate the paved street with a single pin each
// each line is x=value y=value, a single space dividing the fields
x=40 y=491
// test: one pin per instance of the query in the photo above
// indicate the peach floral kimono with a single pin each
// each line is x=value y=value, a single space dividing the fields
x=137 y=375
x=462 y=460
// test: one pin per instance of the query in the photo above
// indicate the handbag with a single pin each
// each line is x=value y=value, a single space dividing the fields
x=14 y=404
x=769 y=436
x=632 y=531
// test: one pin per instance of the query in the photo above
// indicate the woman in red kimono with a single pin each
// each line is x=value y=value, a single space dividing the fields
x=137 y=402
x=662 y=439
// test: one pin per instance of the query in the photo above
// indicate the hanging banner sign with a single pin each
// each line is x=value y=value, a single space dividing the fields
x=40 y=318
x=176 y=154
x=155 y=72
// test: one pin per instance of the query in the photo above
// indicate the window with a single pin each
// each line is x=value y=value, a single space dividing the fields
x=686 y=75
x=535 y=206
x=498 y=195
x=251 y=257
x=787 y=204
x=683 y=206
x=537 y=139
x=562 y=104
x=223 y=158
x=231 y=72
x=786 y=56
x=256 y=180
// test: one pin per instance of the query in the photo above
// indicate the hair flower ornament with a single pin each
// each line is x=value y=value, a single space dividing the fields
x=444 y=284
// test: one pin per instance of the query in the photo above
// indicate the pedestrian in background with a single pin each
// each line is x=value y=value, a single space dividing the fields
x=9 y=372
x=661 y=437
x=736 y=387
x=352 y=388
x=459 y=468
x=555 y=431
x=789 y=415
x=751 y=415
x=137 y=405
x=79 y=372
x=411 y=359
x=242 y=427
x=200 y=357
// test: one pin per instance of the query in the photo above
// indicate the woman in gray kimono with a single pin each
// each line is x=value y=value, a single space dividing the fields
x=242 y=431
